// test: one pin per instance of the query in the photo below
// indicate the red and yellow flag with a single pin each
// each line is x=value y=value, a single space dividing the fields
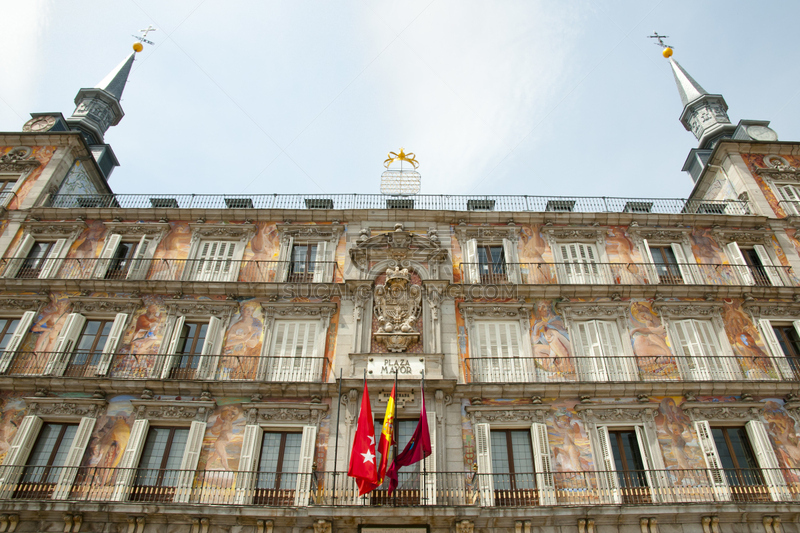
x=387 y=434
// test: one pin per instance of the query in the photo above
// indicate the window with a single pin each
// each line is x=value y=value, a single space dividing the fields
x=7 y=183
x=46 y=461
x=669 y=264
x=7 y=328
x=784 y=346
x=158 y=472
x=215 y=261
x=86 y=347
x=700 y=353
x=791 y=194
x=13 y=333
x=741 y=462
x=497 y=355
x=603 y=355
x=50 y=454
x=409 y=480
x=124 y=259
x=303 y=263
x=296 y=351
x=630 y=464
x=514 y=466
x=89 y=348
x=37 y=259
x=275 y=467
x=194 y=349
x=753 y=265
x=579 y=264
x=490 y=262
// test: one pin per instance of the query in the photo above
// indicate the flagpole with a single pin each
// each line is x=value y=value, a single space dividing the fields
x=424 y=469
x=394 y=428
x=336 y=445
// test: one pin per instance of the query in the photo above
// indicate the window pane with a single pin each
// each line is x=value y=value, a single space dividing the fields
x=9 y=326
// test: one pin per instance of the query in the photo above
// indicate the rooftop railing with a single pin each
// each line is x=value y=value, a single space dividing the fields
x=589 y=273
x=418 y=488
x=437 y=202
x=652 y=368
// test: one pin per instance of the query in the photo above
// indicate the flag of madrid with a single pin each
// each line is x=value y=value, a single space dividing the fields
x=362 y=458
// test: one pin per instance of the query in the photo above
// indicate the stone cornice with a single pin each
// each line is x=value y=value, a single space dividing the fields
x=87 y=305
x=592 y=310
x=615 y=412
x=299 y=309
x=508 y=415
x=576 y=233
x=723 y=411
x=311 y=232
x=507 y=310
x=242 y=232
x=137 y=228
x=280 y=413
x=786 y=311
x=65 y=409
x=681 y=309
x=173 y=410
x=746 y=236
x=18 y=159
x=202 y=308
x=54 y=229
x=486 y=233
x=22 y=302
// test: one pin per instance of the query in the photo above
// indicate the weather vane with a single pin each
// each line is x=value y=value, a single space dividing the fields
x=667 y=48
x=137 y=47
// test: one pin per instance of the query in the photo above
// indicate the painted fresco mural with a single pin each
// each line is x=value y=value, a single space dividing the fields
x=533 y=252
x=756 y=161
x=551 y=345
x=620 y=249
x=12 y=411
x=43 y=154
x=747 y=343
x=650 y=345
x=263 y=249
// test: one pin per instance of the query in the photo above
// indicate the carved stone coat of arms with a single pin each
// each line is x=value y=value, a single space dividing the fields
x=397 y=306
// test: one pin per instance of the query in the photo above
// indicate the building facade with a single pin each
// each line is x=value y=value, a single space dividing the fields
x=196 y=363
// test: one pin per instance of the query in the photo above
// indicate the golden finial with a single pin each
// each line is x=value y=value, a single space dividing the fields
x=138 y=47
x=667 y=52
x=402 y=156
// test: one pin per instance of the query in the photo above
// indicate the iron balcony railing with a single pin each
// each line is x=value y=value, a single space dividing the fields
x=432 y=202
x=589 y=273
x=133 y=366
x=443 y=489
x=167 y=269
x=656 y=368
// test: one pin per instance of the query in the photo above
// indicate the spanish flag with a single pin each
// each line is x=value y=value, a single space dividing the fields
x=387 y=437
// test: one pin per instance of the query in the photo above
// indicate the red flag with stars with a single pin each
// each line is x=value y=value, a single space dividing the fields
x=362 y=457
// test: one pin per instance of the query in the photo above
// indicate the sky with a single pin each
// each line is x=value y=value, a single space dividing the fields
x=545 y=98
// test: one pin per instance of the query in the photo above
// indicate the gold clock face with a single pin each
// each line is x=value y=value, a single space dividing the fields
x=38 y=124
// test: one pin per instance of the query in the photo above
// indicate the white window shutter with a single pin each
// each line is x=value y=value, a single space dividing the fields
x=140 y=261
x=232 y=261
x=65 y=344
x=693 y=362
x=175 y=338
x=54 y=259
x=790 y=194
x=18 y=453
x=543 y=464
x=593 y=363
x=472 y=272
x=779 y=360
x=687 y=270
x=317 y=352
x=209 y=355
x=284 y=260
x=114 y=336
x=302 y=493
x=709 y=450
x=512 y=261
x=721 y=365
x=607 y=478
x=191 y=455
x=657 y=474
x=773 y=272
x=740 y=266
x=580 y=263
x=428 y=480
x=247 y=464
x=20 y=254
x=619 y=365
x=70 y=470
x=767 y=461
x=483 y=448
x=320 y=264
x=126 y=469
x=16 y=340
x=106 y=255
x=652 y=273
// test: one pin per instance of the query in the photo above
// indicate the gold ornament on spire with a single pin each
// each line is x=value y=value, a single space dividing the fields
x=138 y=47
x=402 y=156
x=667 y=52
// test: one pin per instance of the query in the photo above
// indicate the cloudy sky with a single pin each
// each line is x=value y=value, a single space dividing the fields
x=504 y=97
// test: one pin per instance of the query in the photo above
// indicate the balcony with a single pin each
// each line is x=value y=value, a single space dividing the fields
x=129 y=366
x=630 y=274
x=201 y=270
x=661 y=369
x=442 y=489
x=429 y=202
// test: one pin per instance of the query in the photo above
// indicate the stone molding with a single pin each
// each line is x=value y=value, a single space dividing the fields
x=23 y=303
x=88 y=305
x=274 y=310
x=748 y=236
x=18 y=160
x=659 y=234
x=680 y=309
x=295 y=413
x=506 y=310
x=137 y=228
x=487 y=234
x=616 y=412
x=222 y=309
x=234 y=232
x=65 y=409
x=398 y=248
x=310 y=232
x=59 y=230
x=723 y=411
x=592 y=310
x=501 y=415
x=783 y=311
x=173 y=410
x=595 y=235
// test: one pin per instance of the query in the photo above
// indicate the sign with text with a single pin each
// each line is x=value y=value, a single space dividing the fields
x=407 y=366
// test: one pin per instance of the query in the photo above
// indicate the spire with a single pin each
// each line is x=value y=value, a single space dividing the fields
x=688 y=88
x=114 y=83
x=98 y=108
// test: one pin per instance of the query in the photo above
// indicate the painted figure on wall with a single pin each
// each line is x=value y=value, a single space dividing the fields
x=106 y=445
x=551 y=346
x=43 y=154
x=243 y=343
x=222 y=443
x=536 y=255
x=13 y=410
x=649 y=340
x=33 y=354
x=172 y=248
x=142 y=341
x=680 y=448
x=742 y=334
x=782 y=430
x=620 y=250
x=86 y=246
x=569 y=442
x=260 y=253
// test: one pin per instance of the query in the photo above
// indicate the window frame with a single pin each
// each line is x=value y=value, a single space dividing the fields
x=471 y=238
x=236 y=234
x=325 y=237
x=63 y=234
